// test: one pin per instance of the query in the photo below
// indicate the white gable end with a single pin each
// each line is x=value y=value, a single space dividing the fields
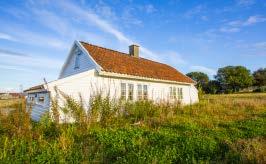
x=78 y=61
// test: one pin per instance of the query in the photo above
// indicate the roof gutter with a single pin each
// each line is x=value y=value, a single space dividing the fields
x=126 y=76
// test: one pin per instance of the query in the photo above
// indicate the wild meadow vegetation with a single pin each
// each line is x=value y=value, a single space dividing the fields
x=221 y=128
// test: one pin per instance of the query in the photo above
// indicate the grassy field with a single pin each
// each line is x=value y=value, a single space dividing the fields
x=221 y=128
x=9 y=103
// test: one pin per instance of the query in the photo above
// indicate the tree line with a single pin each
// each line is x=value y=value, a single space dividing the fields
x=231 y=79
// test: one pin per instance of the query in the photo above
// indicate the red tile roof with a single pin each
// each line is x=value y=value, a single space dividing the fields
x=118 y=62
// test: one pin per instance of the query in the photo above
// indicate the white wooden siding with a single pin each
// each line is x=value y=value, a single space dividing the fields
x=89 y=83
x=85 y=63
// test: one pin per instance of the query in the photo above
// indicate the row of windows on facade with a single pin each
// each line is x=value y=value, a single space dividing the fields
x=142 y=92
x=176 y=93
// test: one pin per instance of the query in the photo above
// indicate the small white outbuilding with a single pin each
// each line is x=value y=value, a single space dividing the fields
x=90 y=70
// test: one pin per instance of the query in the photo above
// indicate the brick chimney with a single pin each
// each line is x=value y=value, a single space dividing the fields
x=134 y=50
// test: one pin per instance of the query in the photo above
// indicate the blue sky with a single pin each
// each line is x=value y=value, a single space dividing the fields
x=35 y=36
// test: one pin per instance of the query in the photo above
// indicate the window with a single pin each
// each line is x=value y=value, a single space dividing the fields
x=142 y=92
x=130 y=91
x=41 y=99
x=31 y=98
x=123 y=91
x=180 y=93
x=145 y=92
x=139 y=92
x=174 y=92
x=77 y=60
x=171 y=93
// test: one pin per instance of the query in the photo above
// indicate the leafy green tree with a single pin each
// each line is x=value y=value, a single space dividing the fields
x=201 y=78
x=213 y=87
x=260 y=77
x=234 y=78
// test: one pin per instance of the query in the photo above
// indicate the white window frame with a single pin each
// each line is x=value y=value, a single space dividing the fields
x=41 y=97
x=180 y=93
x=130 y=94
x=174 y=92
x=142 y=92
x=139 y=92
x=31 y=98
x=145 y=92
x=123 y=92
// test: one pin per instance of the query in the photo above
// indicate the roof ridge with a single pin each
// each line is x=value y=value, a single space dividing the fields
x=104 y=47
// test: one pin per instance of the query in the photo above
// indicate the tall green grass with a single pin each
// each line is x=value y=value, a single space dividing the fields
x=222 y=129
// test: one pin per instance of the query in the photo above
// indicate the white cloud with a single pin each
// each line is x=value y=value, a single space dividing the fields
x=174 y=58
x=27 y=62
x=261 y=45
x=7 y=37
x=194 y=11
x=253 y=20
x=150 y=9
x=52 y=21
x=15 y=68
x=4 y=51
x=229 y=30
x=87 y=16
x=204 y=18
x=236 y=25
x=209 y=71
x=129 y=18
x=33 y=38
x=105 y=11
x=245 y=2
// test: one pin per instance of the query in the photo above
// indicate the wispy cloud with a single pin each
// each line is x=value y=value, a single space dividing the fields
x=236 y=25
x=245 y=2
x=15 y=68
x=32 y=38
x=15 y=60
x=129 y=18
x=261 y=45
x=251 y=20
x=107 y=27
x=229 y=29
x=7 y=37
x=106 y=11
x=85 y=15
x=194 y=11
x=52 y=21
x=174 y=58
x=12 y=53
x=150 y=8
x=254 y=19
x=211 y=72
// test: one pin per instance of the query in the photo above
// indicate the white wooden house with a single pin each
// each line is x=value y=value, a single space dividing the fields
x=90 y=70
